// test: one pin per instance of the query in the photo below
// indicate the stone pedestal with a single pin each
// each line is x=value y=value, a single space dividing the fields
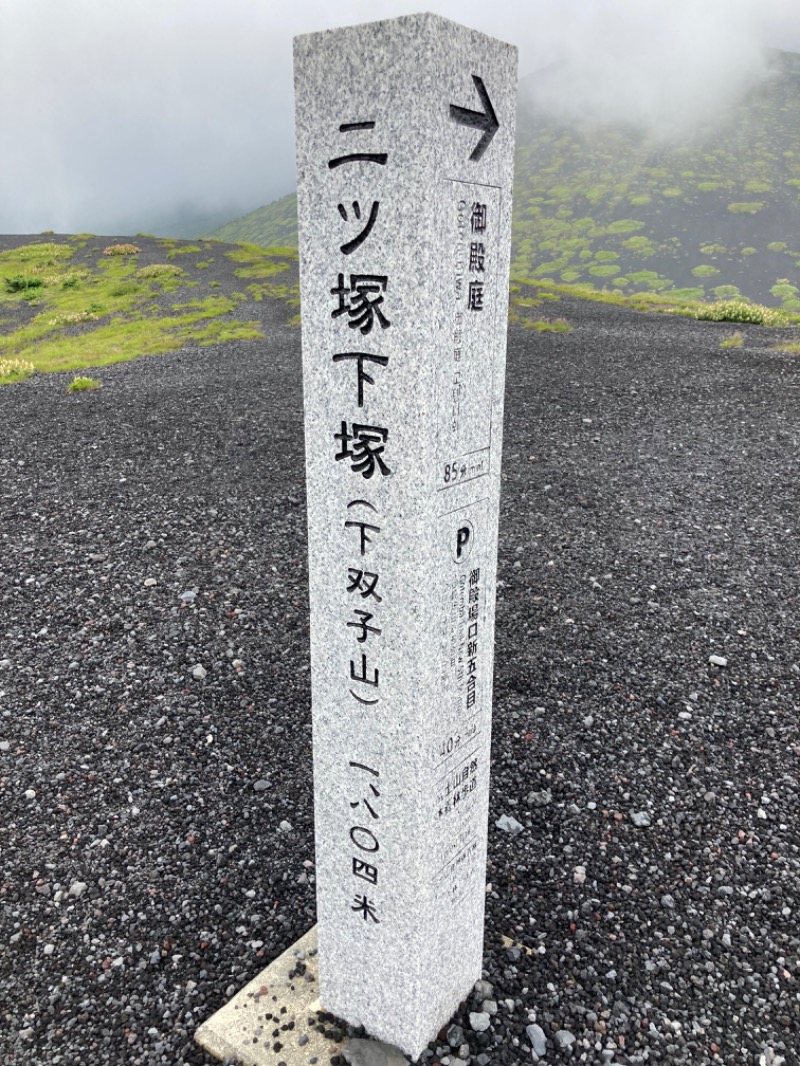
x=405 y=143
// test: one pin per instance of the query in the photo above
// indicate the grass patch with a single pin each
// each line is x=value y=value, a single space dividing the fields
x=733 y=340
x=121 y=249
x=740 y=311
x=792 y=347
x=83 y=384
x=255 y=262
x=12 y=370
x=751 y=208
x=547 y=325
x=107 y=311
x=185 y=249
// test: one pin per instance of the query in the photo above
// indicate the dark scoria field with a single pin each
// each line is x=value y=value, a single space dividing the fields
x=155 y=781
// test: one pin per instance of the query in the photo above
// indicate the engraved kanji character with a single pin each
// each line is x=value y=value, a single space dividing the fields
x=473 y=595
x=364 y=582
x=475 y=576
x=362 y=301
x=363 y=625
x=361 y=374
x=365 y=871
x=350 y=246
x=478 y=218
x=472 y=648
x=366 y=908
x=367 y=451
x=477 y=256
x=354 y=157
x=368 y=834
x=363 y=526
x=473 y=612
x=373 y=789
x=364 y=679
x=475 y=297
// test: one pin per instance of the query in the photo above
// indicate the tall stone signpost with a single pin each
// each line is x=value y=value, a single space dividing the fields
x=405 y=145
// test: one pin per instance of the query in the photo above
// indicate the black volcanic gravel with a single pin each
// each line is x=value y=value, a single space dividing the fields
x=156 y=826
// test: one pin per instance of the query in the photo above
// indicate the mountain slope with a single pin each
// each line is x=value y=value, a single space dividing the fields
x=711 y=217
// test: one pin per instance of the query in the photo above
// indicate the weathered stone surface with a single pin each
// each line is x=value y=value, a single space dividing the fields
x=405 y=139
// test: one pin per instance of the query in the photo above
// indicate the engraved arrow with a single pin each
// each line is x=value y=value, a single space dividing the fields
x=485 y=120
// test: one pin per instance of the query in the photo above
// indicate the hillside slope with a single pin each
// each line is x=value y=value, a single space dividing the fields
x=714 y=216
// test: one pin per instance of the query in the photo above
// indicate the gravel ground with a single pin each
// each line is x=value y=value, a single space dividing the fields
x=155 y=782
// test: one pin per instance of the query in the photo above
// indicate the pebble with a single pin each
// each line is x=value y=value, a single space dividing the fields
x=77 y=888
x=667 y=902
x=261 y=785
x=718 y=660
x=199 y=672
x=640 y=819
x=149 y=582
x=509 y=825
x=372 y=1053
x=30 y=793
x=579 y=875
x=537 y=1038
x=455 y=1036
x=480 y=1021
x=540 y=799
x=564 y=1039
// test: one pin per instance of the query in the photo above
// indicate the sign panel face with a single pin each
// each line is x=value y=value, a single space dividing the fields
x=405 y=141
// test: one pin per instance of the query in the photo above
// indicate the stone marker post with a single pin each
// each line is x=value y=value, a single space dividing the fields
x=405 y=144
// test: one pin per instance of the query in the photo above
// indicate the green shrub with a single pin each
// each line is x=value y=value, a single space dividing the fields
x=733 y=340
x=158 y=270
x=12 y=370
x=121 y=249
x=726 y=292
x=21 y=283
x=547 y=325
x=776 y=246
x=704 y=271
x=739 y=311
x=747 y=209
x=83 y=384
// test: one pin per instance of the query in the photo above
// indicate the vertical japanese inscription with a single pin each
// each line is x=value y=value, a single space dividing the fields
x=361 y=306
x=466 y=369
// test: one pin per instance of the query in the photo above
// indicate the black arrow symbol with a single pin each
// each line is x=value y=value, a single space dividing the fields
x=485 y=120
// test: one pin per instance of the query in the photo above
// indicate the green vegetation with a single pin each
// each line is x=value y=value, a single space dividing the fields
x=547 y=325
x=83 y=384
x=12 y=370
x=733 y=340
x=585 y=193
x=110 y=309
x=121 y=249
x=739 y=311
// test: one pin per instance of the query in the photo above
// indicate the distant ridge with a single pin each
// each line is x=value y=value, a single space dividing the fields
x=273 y=226
x=713 y=217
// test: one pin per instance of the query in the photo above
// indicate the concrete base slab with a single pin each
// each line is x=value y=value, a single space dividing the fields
x=267 y=1023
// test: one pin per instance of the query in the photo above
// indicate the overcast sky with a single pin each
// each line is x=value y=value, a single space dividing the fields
x=116 y=115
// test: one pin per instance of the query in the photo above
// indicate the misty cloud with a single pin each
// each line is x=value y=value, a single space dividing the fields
x=121 y=117
x=664 y=68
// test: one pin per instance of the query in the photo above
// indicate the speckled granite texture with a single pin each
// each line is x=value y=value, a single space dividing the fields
x=405 y=140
